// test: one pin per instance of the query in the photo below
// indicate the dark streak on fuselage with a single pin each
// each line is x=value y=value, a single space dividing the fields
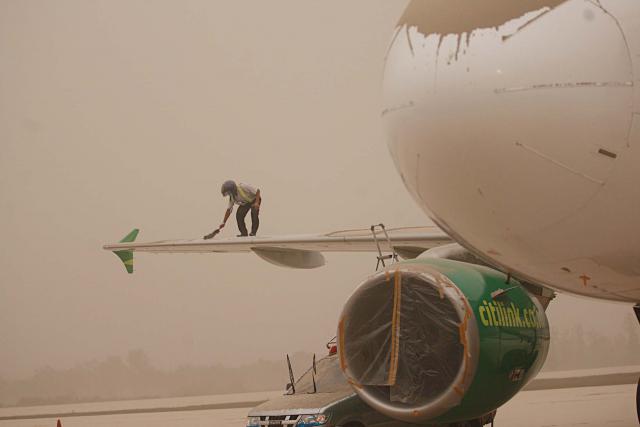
x=464 y=16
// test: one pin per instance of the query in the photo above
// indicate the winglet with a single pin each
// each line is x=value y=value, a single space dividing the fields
x=126 y=256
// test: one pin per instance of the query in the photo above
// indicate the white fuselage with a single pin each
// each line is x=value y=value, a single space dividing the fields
x=515 y=124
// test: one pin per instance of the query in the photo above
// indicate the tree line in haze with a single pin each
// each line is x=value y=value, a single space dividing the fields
x=135 y=377
x=575 y=348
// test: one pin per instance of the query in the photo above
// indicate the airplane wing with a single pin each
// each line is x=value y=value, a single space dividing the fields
x=295 y=251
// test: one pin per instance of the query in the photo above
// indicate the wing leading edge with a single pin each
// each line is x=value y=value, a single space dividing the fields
x=301 y=251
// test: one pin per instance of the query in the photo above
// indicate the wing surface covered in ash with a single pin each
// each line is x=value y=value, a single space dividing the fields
x=299 y=251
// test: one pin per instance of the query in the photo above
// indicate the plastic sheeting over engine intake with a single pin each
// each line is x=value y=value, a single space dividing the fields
x=406 y=338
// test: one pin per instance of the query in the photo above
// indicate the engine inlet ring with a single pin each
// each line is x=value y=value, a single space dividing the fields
x=374 y=372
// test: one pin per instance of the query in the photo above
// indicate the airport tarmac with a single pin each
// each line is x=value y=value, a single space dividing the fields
x=608 y=406
x=611 y=406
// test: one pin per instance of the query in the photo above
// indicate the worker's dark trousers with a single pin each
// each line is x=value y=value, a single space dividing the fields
x=241 y=213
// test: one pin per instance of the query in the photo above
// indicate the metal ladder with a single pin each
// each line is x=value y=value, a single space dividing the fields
x=382 y=258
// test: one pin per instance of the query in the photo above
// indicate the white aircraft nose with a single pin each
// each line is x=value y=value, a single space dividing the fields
x=504 y=117
x=526 y=115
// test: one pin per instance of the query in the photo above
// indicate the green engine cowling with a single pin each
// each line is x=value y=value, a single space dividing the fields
x=440 y=341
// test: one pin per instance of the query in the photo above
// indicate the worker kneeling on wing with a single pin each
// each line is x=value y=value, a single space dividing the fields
x=247 y=198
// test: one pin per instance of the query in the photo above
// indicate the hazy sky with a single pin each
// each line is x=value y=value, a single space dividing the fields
x=123 y=114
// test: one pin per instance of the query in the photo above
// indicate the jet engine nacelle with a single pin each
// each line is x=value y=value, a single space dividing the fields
x=441 y=340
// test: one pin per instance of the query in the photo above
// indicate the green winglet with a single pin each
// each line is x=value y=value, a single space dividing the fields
x=127 y=259
x=131 y=237
x=127 y=256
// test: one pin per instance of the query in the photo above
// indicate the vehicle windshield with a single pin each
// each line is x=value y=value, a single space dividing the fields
x=329 y=377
